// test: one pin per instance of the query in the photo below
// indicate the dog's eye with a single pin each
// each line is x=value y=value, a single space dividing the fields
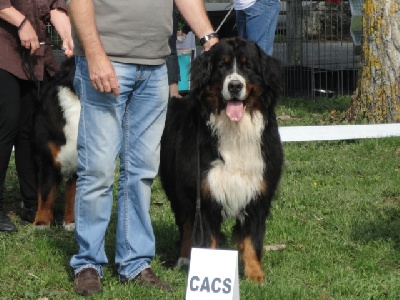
x=245 y=63
x=224 y=64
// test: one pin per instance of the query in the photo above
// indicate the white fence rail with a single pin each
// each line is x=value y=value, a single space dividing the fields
x=337 y=132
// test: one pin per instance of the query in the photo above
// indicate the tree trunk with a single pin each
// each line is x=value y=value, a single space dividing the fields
x=377 y=98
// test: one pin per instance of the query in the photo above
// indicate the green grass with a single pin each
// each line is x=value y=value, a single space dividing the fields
x=337 y=211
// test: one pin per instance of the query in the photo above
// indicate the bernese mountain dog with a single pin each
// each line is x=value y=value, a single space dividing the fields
x=56 y=132
x=221 y=154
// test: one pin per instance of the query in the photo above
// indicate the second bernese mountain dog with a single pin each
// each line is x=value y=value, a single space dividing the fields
x=221 y=145
x=56 y=132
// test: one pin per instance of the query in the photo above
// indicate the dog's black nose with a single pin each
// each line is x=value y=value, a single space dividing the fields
x=235 y=86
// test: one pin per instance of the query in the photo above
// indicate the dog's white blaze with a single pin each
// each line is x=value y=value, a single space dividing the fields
x=71 y=108
x=234 y=76
x=236 y=179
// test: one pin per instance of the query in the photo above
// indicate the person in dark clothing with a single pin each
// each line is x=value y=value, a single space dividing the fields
x=24 y=64
x=172 y=59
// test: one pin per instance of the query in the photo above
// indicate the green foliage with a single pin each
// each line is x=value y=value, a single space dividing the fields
x=337 y=211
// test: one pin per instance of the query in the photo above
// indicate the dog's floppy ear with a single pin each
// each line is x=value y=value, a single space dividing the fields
x=200 y=70
x=272 y=73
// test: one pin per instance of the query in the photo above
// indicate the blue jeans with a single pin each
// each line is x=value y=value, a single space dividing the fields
x=129 y=126
x=258 y=23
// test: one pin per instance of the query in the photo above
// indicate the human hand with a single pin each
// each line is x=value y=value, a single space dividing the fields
x=180 y=36
x=173 y=91
x=207 y=45
x=102 y=74
x=62 y=24
x=68 y=45
x=28 y=37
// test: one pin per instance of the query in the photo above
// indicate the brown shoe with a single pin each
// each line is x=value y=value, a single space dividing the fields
x=147 y=277
x=87 y=282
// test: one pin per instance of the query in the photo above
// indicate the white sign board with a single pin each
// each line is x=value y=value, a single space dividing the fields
x=213 y=274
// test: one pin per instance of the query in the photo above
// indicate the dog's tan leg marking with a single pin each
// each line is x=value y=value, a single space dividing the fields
x=54 y=150
x=44 y=214
x=252 y=265
x=70 y=190
x=205 y=190
x=214 y=242
x=263 y=187
x=186 y=243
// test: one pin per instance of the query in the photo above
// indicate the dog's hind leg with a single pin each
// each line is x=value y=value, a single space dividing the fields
x=44 y=214
x=69 y=216
x=48 y=181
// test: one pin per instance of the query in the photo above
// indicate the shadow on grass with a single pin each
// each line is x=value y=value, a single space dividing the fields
x=167 y=242
x=385 y=225
x=62 y=244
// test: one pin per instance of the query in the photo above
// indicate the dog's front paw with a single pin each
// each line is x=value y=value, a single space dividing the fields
x=183 y=263
x=255 y=274
x=69 y=227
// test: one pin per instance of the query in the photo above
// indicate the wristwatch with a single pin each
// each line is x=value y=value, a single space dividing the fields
x=208 y=37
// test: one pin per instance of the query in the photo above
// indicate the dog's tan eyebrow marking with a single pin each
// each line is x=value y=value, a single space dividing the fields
x=243 y=59
x=227 y=59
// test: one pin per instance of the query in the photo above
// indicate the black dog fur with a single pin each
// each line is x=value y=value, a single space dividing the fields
x=239 y=148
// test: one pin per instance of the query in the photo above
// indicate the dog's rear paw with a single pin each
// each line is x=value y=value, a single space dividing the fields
x=69 y=227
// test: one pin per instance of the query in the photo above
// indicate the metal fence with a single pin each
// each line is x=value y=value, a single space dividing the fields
x=313 y=40
x=56 y=40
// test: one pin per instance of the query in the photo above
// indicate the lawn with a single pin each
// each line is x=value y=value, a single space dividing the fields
x=336 y=217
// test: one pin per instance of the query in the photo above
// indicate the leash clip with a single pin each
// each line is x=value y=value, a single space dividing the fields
x=53 y=45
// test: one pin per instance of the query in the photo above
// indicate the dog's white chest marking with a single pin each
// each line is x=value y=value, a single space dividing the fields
x=235 y=179
x=71 y=107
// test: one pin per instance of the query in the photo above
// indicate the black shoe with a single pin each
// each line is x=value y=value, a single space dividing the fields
x=5 y=223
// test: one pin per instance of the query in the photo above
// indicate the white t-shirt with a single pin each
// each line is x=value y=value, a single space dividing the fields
x=242 y=4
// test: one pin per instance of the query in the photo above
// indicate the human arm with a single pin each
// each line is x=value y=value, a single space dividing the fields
x=62 y=24
x=101 y=71
x=195 y=15
x=26 y=32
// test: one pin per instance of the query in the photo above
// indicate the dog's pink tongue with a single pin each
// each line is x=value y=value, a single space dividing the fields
x=234 y=110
